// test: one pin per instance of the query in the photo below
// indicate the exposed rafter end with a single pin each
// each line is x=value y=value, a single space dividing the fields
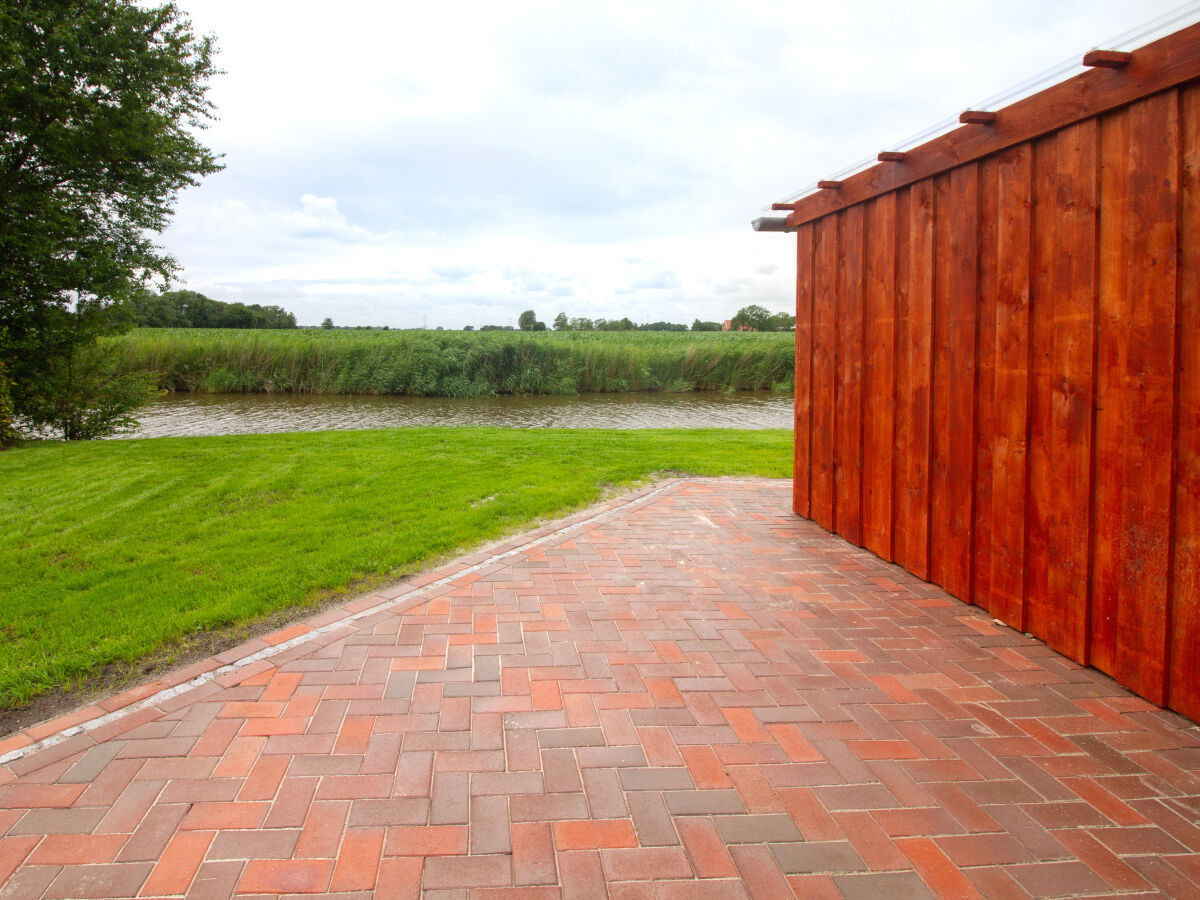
x=977 y=117
x=1107 y=59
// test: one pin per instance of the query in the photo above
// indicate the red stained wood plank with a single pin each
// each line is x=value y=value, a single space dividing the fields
x=1148 y=394
x=914 y=366
x=962 y=332
x=1112 y=335
x=848 y=417
x=1014 y=186
x=1041 y=474
x=1135 y=396
x=986 y=411
x=1072 y=308
x=1155 y=67
x=824 y=370
x=1184 y=658
x=879 y=375
x=803 y=374
x=939 y=455
x=952 y=469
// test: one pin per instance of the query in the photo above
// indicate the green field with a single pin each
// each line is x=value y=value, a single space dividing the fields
x=111 y=551
x=456 y=363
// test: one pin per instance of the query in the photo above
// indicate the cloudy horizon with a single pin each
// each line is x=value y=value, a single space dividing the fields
x=416 y=167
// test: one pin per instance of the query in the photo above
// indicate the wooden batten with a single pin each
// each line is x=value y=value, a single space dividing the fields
x=977 y=117
x=829 y=185
x=890 y=156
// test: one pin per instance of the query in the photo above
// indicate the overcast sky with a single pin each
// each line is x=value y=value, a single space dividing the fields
x=419 y=164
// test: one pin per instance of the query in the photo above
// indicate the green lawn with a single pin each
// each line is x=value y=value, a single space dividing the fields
x=111 y=551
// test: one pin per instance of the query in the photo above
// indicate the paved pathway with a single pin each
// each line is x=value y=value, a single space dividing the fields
x=687 y=692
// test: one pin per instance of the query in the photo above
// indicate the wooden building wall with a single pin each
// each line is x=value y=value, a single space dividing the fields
x=998 y=366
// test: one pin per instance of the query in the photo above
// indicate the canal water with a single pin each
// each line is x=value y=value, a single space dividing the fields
x=204 y=414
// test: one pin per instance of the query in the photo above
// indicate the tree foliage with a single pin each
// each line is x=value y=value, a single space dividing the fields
x=528 y=321
x=748 y=318
x=662 y=326
x=190 y=309
x=8 y=430
x=622 y=324
x=82 y=395
x=759 y=318
x=753 y=316
x=99 y=105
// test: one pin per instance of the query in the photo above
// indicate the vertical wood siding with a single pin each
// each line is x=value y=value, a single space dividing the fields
x=998 y=386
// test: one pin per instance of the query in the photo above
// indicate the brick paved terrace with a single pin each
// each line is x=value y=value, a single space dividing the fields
x=685 y=692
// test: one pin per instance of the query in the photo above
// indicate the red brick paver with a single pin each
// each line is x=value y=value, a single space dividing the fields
x=685 y=692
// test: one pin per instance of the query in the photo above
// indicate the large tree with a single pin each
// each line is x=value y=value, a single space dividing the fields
x=528 y=321
x=754 y=316
x=100 y=101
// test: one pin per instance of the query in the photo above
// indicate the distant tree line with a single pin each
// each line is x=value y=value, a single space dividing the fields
x=748 y=318
x=327 y=324
x=189 y=309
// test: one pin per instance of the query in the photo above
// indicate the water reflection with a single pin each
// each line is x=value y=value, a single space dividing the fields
x=206 y=414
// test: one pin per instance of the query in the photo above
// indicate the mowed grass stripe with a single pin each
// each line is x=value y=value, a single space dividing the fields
x=113 y=551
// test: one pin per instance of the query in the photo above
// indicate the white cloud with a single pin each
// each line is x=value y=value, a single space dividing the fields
x=661 y=280
x=404 y=163
x=319 y=217
x=452 y=274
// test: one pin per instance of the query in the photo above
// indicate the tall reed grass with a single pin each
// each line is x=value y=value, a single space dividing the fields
x=457 y=364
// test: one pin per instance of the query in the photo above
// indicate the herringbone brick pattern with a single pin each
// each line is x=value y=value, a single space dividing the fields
x=691 y=694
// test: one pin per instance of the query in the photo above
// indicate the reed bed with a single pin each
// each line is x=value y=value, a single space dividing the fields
x=457 y=364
